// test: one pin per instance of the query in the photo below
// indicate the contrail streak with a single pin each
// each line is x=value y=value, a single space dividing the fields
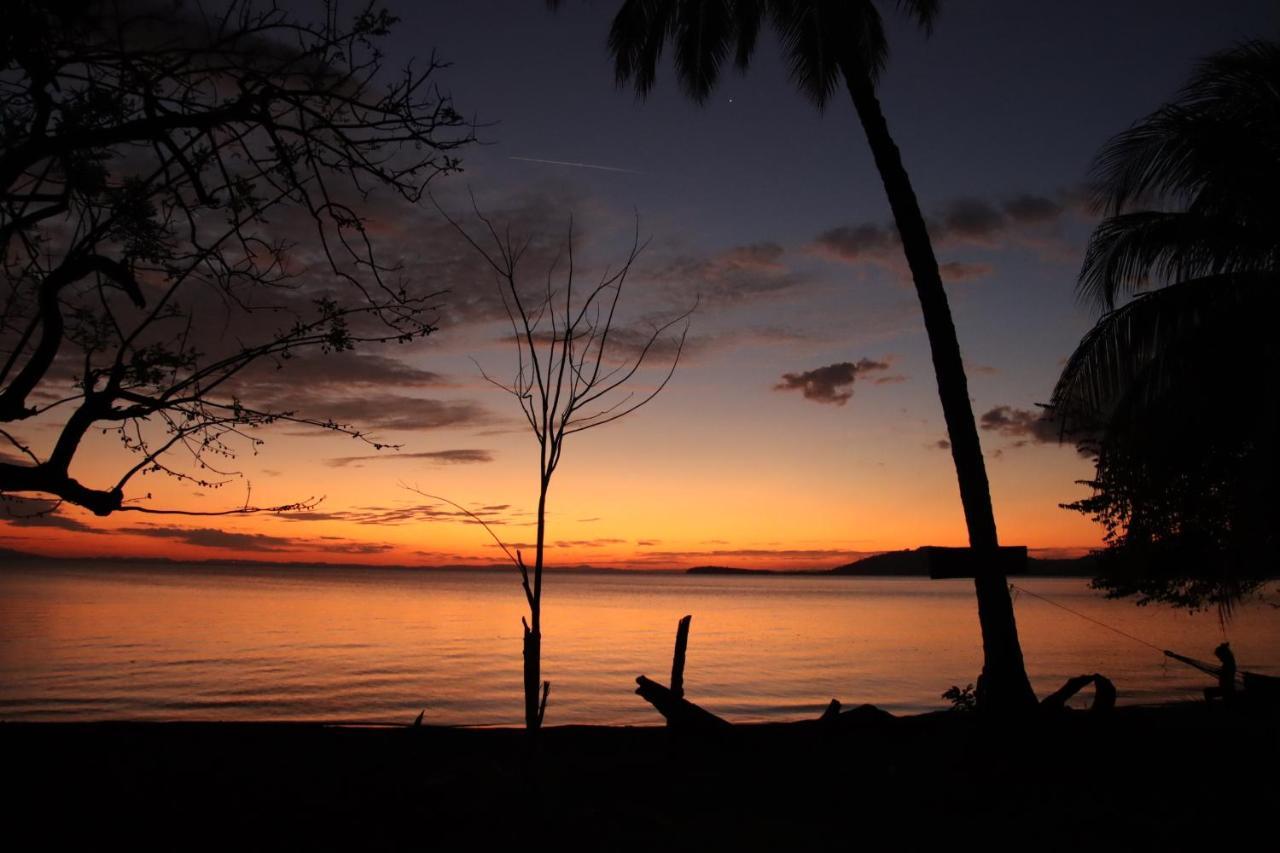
x=576 y=165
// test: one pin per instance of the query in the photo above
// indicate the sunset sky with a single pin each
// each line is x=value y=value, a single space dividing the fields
x=802 y=427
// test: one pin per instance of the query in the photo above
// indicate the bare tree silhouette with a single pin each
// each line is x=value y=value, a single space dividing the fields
x=142 y=150
x=575 y=371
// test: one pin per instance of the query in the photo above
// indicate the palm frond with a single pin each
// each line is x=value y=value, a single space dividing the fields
x=1136 y=353
x=923 y=12
x=824 y=40
x=1223 y=126
x=1131 y=252
x=636 y=38
x=748 y=15
x=704 y=32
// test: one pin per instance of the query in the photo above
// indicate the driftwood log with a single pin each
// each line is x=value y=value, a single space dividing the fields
x=1104 y=694
x=684 y=716
x=677 y=658
x=861 y=717
x=680 y=713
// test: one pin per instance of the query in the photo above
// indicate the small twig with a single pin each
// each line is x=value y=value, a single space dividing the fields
x=514 y=559
x=542 y=706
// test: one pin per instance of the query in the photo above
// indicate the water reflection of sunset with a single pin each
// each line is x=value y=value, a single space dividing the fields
x=329 y=644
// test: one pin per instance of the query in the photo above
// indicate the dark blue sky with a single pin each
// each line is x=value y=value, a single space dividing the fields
x=1006 y=97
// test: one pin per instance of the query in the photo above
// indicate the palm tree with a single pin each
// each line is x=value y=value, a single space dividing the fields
x=1192 y=233
x=829 y=43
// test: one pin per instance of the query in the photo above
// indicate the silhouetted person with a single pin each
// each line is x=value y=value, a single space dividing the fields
x=1226 y=676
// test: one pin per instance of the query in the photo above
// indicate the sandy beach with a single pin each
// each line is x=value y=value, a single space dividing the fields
x=1144 y=778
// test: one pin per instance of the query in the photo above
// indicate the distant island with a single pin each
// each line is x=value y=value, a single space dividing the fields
x=912 y=563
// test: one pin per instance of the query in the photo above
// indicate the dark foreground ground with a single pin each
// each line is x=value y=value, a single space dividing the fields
x=1170 y=778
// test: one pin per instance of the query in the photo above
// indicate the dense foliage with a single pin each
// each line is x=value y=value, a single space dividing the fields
x=1176 y=387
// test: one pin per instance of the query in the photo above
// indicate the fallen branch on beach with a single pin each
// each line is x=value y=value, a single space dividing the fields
x=1104 y=694
x=860 y=717
x=685 y=716
x=670 y=702
x=680 y=712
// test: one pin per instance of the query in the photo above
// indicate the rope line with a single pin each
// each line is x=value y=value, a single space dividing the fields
x=1100 y=624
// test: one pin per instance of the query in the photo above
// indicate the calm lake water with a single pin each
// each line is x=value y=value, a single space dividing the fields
x=88 y=642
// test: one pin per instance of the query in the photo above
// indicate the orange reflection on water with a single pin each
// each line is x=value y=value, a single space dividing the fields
x=382 y=644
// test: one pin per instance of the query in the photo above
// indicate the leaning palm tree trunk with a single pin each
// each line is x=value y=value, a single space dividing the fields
x=1004 y=685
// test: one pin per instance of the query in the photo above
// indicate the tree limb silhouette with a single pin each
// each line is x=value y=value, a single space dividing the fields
x=150 y=162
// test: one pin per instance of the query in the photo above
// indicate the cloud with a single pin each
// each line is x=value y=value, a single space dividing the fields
x=359 y=390
x=433 y=251
x=734 y=276
x=1035 y=209
x=207 y=537
x=1030 y=427
x=627 y=342
x=859 y=242
x=1025 y=219
x=757 y=554
x=499 y=514
x=344 y=370
x=389 y=411
x=976 y=221
x=440 y=457
x=348 y=547
x=834 y=383
x=1027 y=427
x=954 y=271
x=42 y=513
x=8 y=458
x=589 y=543
x=969 y=219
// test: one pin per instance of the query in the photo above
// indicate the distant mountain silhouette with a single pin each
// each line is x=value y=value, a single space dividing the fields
x=909 y=563
x=734 y=570
x=912 y=563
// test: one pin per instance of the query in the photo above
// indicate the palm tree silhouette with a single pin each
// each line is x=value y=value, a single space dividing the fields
x=1192 y=233
x=829 y=43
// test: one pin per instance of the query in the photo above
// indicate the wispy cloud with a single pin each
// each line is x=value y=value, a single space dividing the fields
x=42 y=514
x=733 y=276
x=498 y=514
x=390 y=411
x=575 y=165
x=1026 y=220
x=820 y=556
x=439 y=457
x=232 y=540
